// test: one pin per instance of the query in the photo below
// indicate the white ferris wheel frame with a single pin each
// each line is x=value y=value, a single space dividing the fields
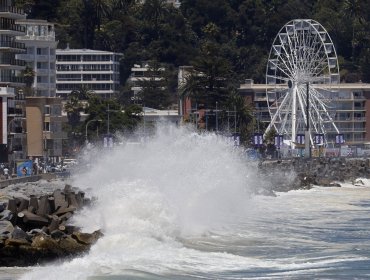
x=302 y=61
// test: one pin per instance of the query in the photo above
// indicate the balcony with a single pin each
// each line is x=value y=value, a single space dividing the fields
x=7 y=91
x=10 y=10
x=26 y=57
x=12 y=45
x=17 y=112
x=12 y=62
x=42 y=57
x=20 y=30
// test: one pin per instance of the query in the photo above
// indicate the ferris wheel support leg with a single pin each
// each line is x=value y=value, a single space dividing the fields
x=294 y=114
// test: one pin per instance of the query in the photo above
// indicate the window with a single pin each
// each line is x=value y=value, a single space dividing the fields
x=47 y=110
x=46 y=126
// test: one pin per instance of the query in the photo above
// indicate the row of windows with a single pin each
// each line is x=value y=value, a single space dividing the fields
x=84 y=57
x=86 y=77
x=41 y=51
x=87 y=67
x=70 y=87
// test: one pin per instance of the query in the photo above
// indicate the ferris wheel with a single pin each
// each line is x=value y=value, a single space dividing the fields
x=301 y=71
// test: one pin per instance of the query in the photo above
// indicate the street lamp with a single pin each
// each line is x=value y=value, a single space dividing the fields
x=87 y=124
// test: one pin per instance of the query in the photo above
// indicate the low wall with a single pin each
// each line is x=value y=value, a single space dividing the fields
x=33 y=178
x=303 y=172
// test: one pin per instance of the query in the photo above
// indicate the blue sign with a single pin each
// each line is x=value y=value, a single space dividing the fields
x=258 y=139
x=279 y=140
x=300 y=138
x=319 y=139
x=339 y=139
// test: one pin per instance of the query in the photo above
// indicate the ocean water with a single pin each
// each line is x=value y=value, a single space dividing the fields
x=182 y=206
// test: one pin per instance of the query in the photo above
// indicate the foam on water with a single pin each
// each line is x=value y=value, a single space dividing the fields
x=180 y=206
x=152 y=195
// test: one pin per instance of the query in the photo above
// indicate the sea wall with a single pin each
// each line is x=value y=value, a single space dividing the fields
x=300 y=173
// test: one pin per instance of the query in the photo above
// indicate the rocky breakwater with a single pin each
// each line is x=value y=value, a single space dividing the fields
x=36 y=230
x=302 y=173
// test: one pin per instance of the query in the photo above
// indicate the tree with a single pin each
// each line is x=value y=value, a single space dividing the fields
x=243 y=115
x=115 y=118
x=155 y=90
x=73 y=108
x=28 y=75
x=209 y=81
x=353 y=10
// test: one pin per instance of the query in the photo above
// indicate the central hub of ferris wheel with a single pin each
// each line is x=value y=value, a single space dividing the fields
x=301 y=70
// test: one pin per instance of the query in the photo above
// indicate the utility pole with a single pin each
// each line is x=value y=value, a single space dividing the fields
x=216 y=116
x=108 y=120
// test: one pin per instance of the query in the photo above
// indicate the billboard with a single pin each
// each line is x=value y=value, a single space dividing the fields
x=24 y=168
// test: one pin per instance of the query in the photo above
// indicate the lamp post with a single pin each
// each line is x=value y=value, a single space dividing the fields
x=87 y=124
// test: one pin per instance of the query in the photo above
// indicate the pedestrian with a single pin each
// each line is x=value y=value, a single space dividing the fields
x=24 y=171
x=6 y=172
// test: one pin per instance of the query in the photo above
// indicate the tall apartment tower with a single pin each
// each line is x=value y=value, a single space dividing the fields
x=40 y=44
x=12 y=136
x=96 y=70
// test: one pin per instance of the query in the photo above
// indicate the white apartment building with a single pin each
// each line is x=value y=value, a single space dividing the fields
x=97 y=70
x=12 y=135
x=40 y=44
x=140 y=74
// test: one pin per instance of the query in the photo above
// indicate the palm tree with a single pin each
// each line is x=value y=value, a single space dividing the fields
x=154 y=10
x=73 y=108
x=354 y=10
x=243 y=114
x=28 y=75
x=83 y=93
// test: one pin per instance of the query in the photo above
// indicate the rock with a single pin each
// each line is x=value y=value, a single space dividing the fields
x=12 y=206
x=25 y=225
x=87 y=238
x=34 y=204
x=358 y=182
x=51 y=204
x=335 y=184
x=6 y=215
x=2 y=206
x=57 y=234
x=42 y=241
x=16 y=242
x=23 y=204
x=6 y=228
x=59 y=200
x=19 y=233
x=44 y=207
x=72 y=201
x=67 y=188
x=70 y=245
x=33 y=219
x=54 y=224
x=62 y=211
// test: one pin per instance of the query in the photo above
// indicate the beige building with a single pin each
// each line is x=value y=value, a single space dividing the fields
x=44 y=127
